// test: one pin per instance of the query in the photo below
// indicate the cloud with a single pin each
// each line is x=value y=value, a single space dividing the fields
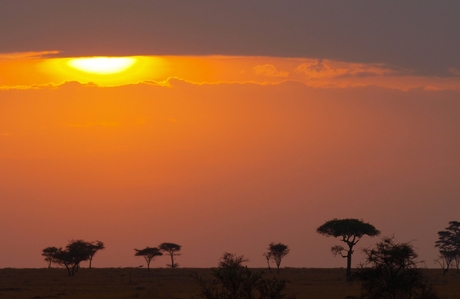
x=316 y=70
x=38 y=73
x=27 y=55
x=269 y=70
x=455 y=71
x=374 y=31
x=321 y=69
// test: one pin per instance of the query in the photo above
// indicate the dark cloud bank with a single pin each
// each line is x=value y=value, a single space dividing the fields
x=421 y=36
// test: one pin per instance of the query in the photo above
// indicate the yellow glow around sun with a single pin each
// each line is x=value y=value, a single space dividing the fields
x=105 y=70
x=102 y=65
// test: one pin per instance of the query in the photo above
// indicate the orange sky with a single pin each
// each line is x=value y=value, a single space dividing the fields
x=222 y=153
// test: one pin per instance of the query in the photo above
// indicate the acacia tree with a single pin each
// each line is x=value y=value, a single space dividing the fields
x=79 y=251
x=448 y=244
x=49 y=253
x=350 y=231
x=268 y=257
x=148 y=253
x=171 y=249
x=276 y=252
x=390 y=271
x=94 y=247
x=74 y=253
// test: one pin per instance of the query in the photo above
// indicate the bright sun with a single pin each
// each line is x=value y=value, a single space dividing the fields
x=102 y=65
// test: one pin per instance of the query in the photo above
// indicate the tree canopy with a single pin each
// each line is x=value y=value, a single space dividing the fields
x=350 y=231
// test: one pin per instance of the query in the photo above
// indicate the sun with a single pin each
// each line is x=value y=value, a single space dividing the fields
x=105 y=70
x=102 y=65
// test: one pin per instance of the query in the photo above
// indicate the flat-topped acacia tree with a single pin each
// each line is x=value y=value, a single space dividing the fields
x=350 y=231
x=148 y=253
x=171 y=249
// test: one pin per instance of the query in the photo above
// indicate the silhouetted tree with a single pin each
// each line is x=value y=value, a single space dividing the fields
x=148 y=253
x=79 y=251
x=390 y=272
x=233 y=280
x=171 y=249
x=445 y=260
x=49 y=253
x=94 y=247
x=349 y=231
x=74 y=253
x=276 y=252
x=268 y=257
x=448 y=244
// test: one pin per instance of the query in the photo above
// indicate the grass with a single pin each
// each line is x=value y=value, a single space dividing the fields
x=127 y=283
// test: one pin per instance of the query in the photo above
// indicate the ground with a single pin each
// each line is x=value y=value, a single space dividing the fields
x=115 y=283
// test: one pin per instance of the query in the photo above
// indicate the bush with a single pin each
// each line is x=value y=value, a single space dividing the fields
x=390 y=272
x=233 y=280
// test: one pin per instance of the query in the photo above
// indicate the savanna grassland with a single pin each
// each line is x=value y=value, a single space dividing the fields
x=117 y=283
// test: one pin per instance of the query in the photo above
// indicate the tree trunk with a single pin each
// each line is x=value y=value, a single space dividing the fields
x=75 y=269
x=68 y=269
x=349 y=264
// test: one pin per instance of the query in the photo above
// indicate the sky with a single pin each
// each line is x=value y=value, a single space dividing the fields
x=224 y=126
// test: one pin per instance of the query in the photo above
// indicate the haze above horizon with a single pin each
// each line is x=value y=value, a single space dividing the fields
x=225 y=126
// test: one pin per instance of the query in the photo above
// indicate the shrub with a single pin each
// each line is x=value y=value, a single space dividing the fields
x=233 y=280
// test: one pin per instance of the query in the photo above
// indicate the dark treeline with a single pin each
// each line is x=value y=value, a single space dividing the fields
x=390 y=269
